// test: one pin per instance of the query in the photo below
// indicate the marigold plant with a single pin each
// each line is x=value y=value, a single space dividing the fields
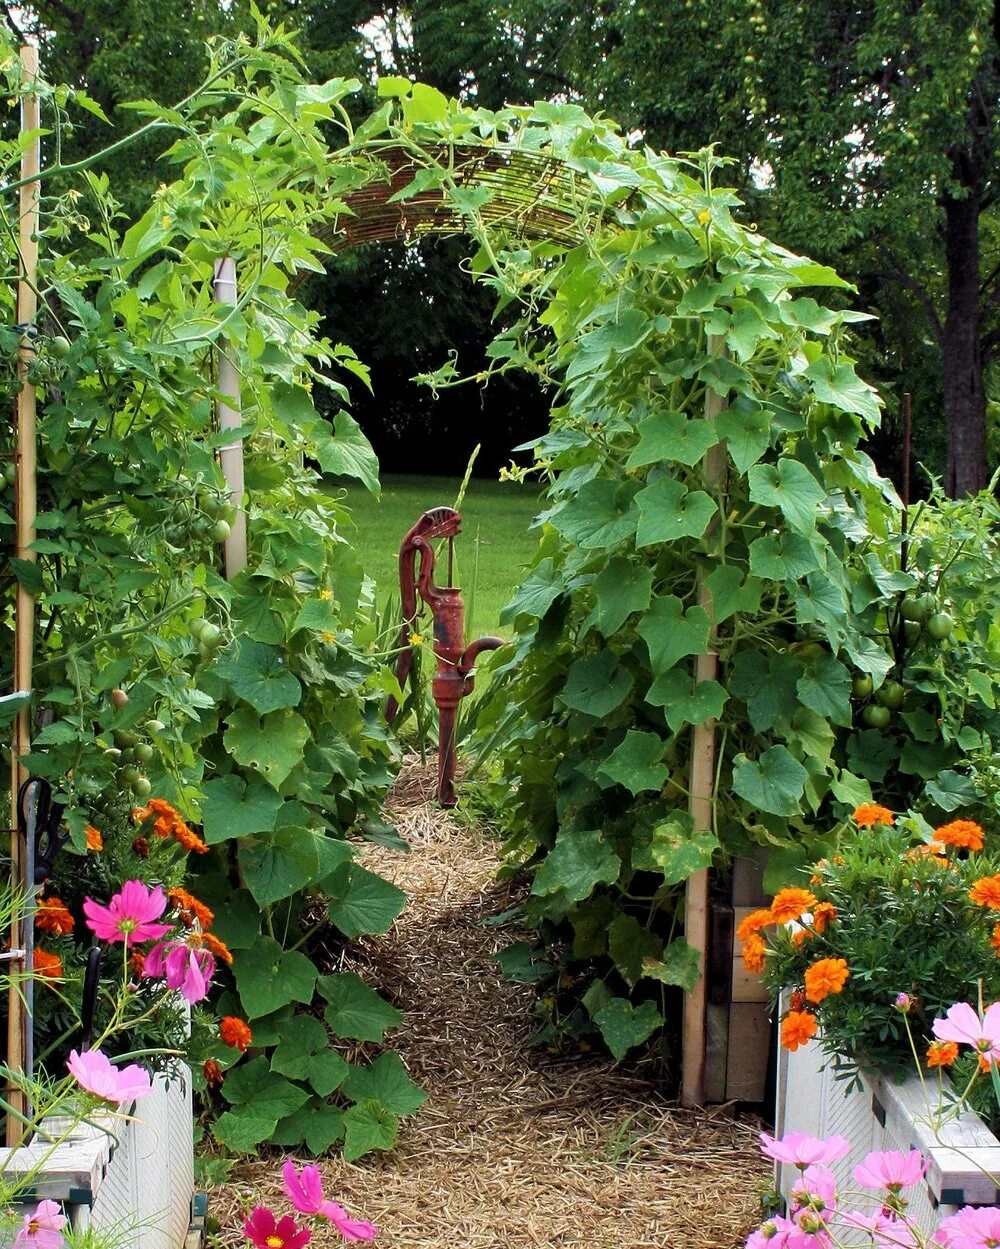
x=898 y=915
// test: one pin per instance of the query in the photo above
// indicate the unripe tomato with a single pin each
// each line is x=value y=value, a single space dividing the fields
x=876 y=717
x=59 y=347
x=141 y=787
x=118 y=698
x=209 y=634
x=144 y=752
x=124 y=739
x=891 y=695
x=914 y=609
x=221 y=530
x=194 y=628
x=911 y=631
x=940 y=626
x=154 y=726
x=861 y=687
x=130 y=775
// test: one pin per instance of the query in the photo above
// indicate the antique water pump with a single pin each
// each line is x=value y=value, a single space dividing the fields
x=456 y=671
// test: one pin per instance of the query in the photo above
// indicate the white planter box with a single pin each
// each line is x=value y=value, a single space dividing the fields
x=133 y=1177
x=884 y=1115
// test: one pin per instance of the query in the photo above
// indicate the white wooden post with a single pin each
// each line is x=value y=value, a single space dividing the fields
x=25 y=510
x=229 y=417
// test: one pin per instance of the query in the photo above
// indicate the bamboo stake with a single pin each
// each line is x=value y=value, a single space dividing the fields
x=701 y=786
x=25 y=508
x=234 y=554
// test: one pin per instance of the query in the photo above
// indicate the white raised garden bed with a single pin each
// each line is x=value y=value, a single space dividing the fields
x=134 y=1177
x=884 y=1115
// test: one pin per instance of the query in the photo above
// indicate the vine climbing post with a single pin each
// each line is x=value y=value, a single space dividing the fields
x=230 y=454
x=701 y=789
x=25 y=508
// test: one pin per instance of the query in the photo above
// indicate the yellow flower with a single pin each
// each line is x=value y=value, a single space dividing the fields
x=416 y=639
x=165 y=221
x=704 y=216
x=326 y=595
x=328 y=637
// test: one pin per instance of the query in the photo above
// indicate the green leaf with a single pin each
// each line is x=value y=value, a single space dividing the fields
x=840 y=386
x=669 y=511
x=731 y=594
x=259 y=1098
x=678 y=965
x=791 y=488
x=783 y=557
x=524 y=962
x=233 y=808
x=624 y=1026
x=244 y=1128
x=747 y=431
x=304 y=1053
x=576 y=865
x=317 y=1123
x=279 y=864
x=355 y=1011
x=672 y=437
x=671 y=633
x=629 y=944
x=385 y=1080
x=268 y=977
x=637 y=763
x=272 y=745
x=825 y=687
x=258 y=674
x=774 y=783
x=368 y=1126
x=951 y=790
x=600 y=515
x=767 y=683
x=538 y=591
x=620 y=588
x=348 y=453
x=596 y=684
x=362 y=902
x=293 y=403
x=674 y=849
x=686 y=705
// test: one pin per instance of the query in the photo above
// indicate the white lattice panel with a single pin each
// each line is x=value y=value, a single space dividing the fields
x=881 y=1115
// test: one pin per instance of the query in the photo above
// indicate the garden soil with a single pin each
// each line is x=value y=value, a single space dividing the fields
x=515 y=1148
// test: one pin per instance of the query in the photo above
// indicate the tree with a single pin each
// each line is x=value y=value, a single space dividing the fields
x=866 y=133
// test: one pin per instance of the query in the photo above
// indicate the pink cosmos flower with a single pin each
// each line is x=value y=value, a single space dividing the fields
x=815 y=1189
x=810 y=1232
x=800 y=1150
x=962 y=1024
x=890 y=1168
x=304 y=1189
x=189 y=970
x=43 y=1228
x=129 y=916
x=888 y=1230
x=265 y=1232
x=154 y=961
x=971 y=1228
x=95 y=1072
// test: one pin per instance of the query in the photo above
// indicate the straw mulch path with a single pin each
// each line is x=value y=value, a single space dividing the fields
x=513 y=1149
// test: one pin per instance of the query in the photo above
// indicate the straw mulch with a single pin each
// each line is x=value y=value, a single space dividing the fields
x=514 y=1149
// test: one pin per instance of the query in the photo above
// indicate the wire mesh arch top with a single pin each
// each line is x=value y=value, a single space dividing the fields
x=532 y=194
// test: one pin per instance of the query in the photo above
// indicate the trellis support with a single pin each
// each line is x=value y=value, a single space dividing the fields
x=234 y=554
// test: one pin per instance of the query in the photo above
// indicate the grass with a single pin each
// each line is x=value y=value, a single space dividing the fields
x=490 y=554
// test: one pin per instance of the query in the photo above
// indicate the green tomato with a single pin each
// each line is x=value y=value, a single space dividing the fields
x=124 y=739
x=891 y=695
x=59 y=347
x=911 y=631
x=928 y=603
x=154 y=726
x=209 y=634
x=940 y=626
x=141 y=787
x=118 y=698
x=130 y=775
x=861 y=687
x=144 y=752
x=876 y=717
x=221 y=530
x=195 y=628
x=913 y=609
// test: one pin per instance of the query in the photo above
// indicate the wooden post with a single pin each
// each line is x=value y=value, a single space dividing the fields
x=234 y=555
x=25 y=509
x=701 y=789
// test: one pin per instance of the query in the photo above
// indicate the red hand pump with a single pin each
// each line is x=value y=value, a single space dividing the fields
x=455 y=674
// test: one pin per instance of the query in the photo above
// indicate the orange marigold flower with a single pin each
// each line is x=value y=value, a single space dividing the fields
x=190 y=909
x=826 y=976
x=824 y=913
x=941 y=1053
x=212 y=1072
x=48 y=966
x=137 y=964
x=141 y=847
x=984 y=1064
x=870 y=813
x=753 y=923
x=995 y=938
x=753 y=953
x=797 y=1027
x=819 y=869
x=965 y=834
x=797 y=1000
x=790 y=904
x=189 y=839
x=801 y=935
x=94 y=839
x=986 y=892
x=235 y=1032
x=219 y=948
x=52 y=916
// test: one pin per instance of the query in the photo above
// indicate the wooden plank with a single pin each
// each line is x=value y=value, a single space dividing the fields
x=749 y=1044
x=234 y=552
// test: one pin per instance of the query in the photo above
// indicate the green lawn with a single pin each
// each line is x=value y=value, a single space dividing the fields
x=490 y=553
